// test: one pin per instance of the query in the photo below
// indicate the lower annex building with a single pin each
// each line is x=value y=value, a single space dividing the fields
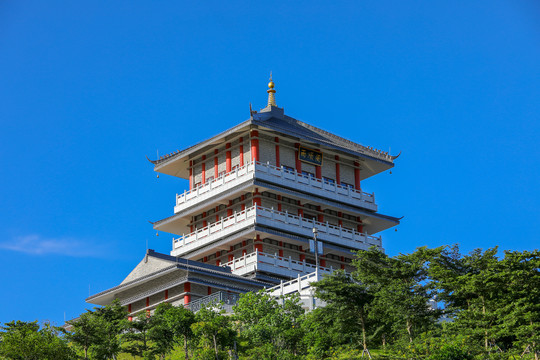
x=257 y=194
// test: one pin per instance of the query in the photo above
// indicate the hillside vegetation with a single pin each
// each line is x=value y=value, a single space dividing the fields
x=489 y=309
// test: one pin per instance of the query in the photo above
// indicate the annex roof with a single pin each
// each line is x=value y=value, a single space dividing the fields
x=218 y=273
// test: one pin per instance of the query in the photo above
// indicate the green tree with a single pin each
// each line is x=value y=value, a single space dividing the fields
x=21 y=340
x=171 y=326
x=214 y=330
x=84 y=332
x=401 y=289
x=519 y=312
x=136 y=340
x=261 y=319
x=111 y=322
x=348 y=304
x=472 y=289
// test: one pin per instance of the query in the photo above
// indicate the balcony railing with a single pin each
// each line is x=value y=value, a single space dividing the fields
x=272 y=263
x=215 y=186
x=294 y=285
x=220 y=299
x=277 y=219
x=313 y=185
x=279 y=176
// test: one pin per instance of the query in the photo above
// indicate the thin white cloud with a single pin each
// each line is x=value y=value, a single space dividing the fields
x=38 y=245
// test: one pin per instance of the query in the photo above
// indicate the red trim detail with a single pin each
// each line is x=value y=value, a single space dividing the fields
x=166 y=294
x=228 y=158
x=356 y=176
x=190 y=175
x=187 y=289
x=278 y=162
x=203 y=172
x=298 y=162
x=254 y=145
x=216 y=173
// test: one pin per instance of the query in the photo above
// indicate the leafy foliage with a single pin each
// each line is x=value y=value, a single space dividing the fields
x=21 y=340
x=491 y=304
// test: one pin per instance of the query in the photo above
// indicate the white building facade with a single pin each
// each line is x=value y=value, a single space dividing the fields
x=256 y=192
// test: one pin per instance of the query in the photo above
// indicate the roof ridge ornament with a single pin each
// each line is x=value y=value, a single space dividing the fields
x=271 y=92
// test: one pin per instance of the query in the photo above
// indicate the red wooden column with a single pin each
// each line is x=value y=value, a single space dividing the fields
x=209 y=290
x=166 y=295
x=229 y=209
x=190 y=174
x=256 y=197
x=318 y=170
x=147 y=305
x=302 y=255
x=298 y=162
x=241 y=151
x=204 y=222
x=258 y=244
x=356 y=175
x=320 y=215
x=230 y=257
x=228 y=158
x=216 y=172
x=300 y=210
x=244 y=251
x=187 y=289
x=217 y=213
x=254 y=145
x=278 y=162
x=203 y=172
x=323 y=261
x=340 y=216
x=242 y=199
x=130 y=318
x=279 y=203
x=360 y=226
x=218 y=254
x=338 y=174
x=280 y=251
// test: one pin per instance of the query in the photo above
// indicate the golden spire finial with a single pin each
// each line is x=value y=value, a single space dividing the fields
x=271 y=92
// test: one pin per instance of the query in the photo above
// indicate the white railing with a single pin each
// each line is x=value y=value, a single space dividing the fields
x=252 y=261
x=274 y=218
x=276 y=175
x=294 y=285
x=222 y=183
x=327 y=188
x=216 y=230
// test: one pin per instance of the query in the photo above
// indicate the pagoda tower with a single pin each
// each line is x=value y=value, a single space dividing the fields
x=257 y=194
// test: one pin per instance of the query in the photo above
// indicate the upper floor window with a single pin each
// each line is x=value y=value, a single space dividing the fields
x=331 y=212
x=329 y=181
x=346 y=185
x=349 y=217
x=288 y=169
x=288 y=200
x=269 y=195
x=308 y=174
x=311 y=206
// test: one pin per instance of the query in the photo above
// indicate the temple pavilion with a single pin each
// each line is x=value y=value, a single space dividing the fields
x=258 y=195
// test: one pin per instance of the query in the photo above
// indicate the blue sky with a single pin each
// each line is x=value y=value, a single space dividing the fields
x=88 y=89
